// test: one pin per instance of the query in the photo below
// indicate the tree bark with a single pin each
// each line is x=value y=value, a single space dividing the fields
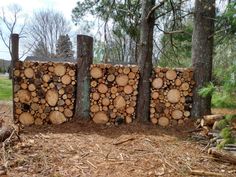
x=84 y=60
x=14 y=59
x=145 y=60
x=202 y=53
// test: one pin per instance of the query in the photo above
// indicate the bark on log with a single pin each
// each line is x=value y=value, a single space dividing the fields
x=5 y=132
x=223 y=155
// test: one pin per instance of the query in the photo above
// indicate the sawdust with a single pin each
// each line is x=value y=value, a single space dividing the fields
x=85 y=149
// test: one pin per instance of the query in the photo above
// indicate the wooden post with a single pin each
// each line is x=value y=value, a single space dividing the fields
x=14 y=59
x=84 y=60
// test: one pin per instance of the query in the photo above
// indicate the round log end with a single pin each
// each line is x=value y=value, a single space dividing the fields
x=26 y=118
x=56 y=117
x=100 y=118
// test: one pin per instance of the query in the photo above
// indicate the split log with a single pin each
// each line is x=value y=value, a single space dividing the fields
x=24 y=96
x=51 y=97
x=46 y=78
x=209 y=120
x=128 y=119
x=119 y=102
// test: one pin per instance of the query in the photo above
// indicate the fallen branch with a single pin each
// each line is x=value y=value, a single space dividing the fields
x=123 y=141
x=204 y=173
x=194 y=130
x=223 y=156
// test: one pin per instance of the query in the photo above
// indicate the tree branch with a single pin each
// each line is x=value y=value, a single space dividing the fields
x=154 y=8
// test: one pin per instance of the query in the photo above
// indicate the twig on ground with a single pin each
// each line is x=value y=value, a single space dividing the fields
x=124 y=141
x=92 y=164
x=204 y=173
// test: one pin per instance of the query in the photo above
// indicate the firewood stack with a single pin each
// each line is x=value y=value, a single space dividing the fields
x=171 y=96
x=113 y=93
x=44 y=92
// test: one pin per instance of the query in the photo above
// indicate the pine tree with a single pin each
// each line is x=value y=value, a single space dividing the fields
x=64 y=47
x=41 y=50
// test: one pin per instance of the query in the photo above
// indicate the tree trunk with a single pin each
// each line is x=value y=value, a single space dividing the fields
x=84 y=60
x=145 y=60
x=14 y=59
x=202 y=51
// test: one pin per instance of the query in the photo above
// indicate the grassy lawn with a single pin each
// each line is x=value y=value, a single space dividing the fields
x=5 y=88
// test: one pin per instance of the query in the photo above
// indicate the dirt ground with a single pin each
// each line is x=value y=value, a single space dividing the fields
x=84 y=149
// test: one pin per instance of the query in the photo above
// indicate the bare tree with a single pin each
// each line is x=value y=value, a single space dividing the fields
x=10 y=24
x=45 y=28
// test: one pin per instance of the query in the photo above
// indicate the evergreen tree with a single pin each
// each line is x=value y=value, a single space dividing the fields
x=40 y=50
x=64 y=47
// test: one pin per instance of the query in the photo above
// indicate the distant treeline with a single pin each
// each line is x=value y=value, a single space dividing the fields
x=4 y=65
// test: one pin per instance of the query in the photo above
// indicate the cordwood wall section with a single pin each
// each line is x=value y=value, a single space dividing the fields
x=44 y=93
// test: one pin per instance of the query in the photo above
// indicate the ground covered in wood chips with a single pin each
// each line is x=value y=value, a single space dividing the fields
x=84 y=149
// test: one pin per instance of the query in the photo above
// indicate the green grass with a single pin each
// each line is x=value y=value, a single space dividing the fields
x=5 y=88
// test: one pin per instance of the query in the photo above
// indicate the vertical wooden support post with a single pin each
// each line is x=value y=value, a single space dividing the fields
x=84 y=60
x=14 y=59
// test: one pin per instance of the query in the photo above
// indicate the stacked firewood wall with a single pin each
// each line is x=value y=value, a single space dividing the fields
x=113 y=93
x=44 y=92
x=171 y=96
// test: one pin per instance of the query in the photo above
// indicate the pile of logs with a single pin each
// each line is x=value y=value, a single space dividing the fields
x=44 y=92
x=171 y=96
x=113 y=93
x=210 y=129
